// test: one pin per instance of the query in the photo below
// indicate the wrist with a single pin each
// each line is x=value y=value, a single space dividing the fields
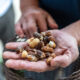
x=26 y=4
x=29 y=8
x=72 y=30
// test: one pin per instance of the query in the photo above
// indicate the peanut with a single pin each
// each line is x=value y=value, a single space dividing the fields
x=41 y=38
x=43 y=33
x=47 y=49
x=45 y=39
x=30 y=40
x=53 y=55
x=24 y=54
x=52 y=44
x=48 y=34
x=31 y=58
x=51 y=38
x=43 y=55
x=34 y=43
x=48 y=60
x=19 y=49
x=37 y=35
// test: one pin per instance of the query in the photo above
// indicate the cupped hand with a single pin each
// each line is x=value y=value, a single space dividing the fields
x=66 y=50
x=32 y=20
x=15 y=62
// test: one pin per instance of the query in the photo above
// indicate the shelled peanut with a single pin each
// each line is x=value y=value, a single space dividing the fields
x=40 y=47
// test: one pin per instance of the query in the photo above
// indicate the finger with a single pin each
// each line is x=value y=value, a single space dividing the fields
x=32 y=26
x=59 y=51
x=18 y=29
x=25 y=30
x=62 y=60
x=42 y=24
x=14 y=45
x=75 y=52
x=10 y=55
x=51 y=22
x=39 y=66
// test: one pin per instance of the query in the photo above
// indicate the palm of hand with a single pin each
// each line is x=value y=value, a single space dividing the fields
x=66 y=49
x=66 y=52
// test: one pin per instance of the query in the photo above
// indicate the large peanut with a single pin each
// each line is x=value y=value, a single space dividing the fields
x=24 y=54
x=34 y=43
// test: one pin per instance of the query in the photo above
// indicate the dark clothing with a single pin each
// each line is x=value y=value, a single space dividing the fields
x=64 y=12
x=6 y=31
x=7 y=25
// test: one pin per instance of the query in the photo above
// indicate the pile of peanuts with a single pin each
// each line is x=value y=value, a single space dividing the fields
x=40 y=47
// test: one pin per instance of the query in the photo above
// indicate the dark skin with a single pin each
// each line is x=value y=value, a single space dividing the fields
x=66 y=51
x=33 y=18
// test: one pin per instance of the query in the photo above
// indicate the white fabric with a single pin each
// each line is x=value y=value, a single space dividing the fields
x=4 y=6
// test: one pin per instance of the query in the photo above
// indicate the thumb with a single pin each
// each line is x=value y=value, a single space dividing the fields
x=59 y=51
x=51 y=22
x=19 y=30
x=62 y=60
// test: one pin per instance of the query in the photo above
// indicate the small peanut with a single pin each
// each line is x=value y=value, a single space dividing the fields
x=48 y=60
x=40 y=54
x=43 y=55
x=53 y=55
x=43 y=33
x=19 y=49
x=31 y=58
x=37 y=35
x=48 y=33
x=41 y=38
x=47 y=49
x=24 y=54
x=51 y=38
x=30 y=40
x=40 y=45
x=45 y=39
x=52 y=44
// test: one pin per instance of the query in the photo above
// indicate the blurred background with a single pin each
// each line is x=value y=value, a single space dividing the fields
x=16 y=5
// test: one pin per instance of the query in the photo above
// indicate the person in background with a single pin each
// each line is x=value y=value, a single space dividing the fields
x=33 y=19
x=6 y=20
x=36 y=15
x=7 y=30
x=6 y=25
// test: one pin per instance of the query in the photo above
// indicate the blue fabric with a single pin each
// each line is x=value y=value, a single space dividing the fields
x=64 y=12
x=4 y=6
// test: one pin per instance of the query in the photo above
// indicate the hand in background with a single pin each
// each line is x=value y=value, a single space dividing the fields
x=32 y=20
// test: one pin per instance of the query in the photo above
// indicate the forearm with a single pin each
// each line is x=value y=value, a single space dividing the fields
x=74 y=30
x=24 y=4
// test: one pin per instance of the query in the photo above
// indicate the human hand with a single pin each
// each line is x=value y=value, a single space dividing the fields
x=32 y=20
x=14 y=61
x=66 y=50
